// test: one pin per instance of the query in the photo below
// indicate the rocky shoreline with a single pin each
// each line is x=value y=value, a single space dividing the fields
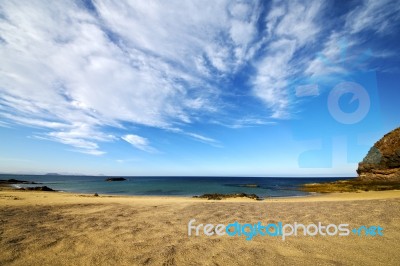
x=15 y=181
x=7 y=183
x=383 y=159
x=354 y=185
x=379 y=170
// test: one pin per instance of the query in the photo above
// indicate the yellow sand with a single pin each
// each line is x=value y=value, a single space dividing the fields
x=45 y=228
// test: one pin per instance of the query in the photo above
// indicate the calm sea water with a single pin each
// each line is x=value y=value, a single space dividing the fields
x=173 y=185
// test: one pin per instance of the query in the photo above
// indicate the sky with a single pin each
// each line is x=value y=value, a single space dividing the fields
x=218 y=88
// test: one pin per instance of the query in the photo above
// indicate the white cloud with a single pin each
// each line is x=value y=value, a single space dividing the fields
x=307 y=90
x=370 y=17
x=290 y=26
x=300 y=22
x=75 y=72
x=139 y=143
x=378 y=16
x=245 y=123
x=330 y=59
x=4 y=124
x=62 y=65
x=196 y=136
x=204 y=139
x=295 y=26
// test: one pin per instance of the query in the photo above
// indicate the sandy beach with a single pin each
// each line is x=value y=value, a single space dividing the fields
x=53 y=228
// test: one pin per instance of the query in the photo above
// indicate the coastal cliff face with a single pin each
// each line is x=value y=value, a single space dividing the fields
x=383 y=159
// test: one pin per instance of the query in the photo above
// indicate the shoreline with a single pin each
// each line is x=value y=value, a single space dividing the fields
x=312 y=197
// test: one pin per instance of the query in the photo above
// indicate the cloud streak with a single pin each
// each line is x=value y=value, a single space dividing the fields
x=139 y=143
x=82 y=70
x=290 y=27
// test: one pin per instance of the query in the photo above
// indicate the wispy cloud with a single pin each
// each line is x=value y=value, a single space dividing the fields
x=196 y=136
x=65 y=65
x=302 y=42
x=139 y=143
x=76 y=70
x=371 y=18
x=376 y=16
x=290 y=26
x=204 y=139
x=245 y=123
x=4 y=124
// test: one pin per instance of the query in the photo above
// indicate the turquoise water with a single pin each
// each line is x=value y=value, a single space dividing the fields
x=173 y=185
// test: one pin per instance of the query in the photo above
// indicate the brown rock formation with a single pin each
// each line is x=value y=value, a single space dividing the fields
x=383 y=159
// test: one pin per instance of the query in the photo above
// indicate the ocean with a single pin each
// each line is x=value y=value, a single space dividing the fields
x=173 y=185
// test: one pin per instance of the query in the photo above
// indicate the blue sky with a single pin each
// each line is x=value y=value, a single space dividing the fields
x=269 y=88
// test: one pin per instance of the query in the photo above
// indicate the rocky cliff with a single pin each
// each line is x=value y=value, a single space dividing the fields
x=383 y=159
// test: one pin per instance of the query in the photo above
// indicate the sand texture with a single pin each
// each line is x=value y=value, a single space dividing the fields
x=50 y=228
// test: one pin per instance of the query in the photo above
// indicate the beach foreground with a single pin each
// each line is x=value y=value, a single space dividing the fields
x=49 y=228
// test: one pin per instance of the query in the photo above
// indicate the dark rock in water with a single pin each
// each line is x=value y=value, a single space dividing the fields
x=43 y=188
x=96 y=195
x=16 y=181
x=115 y=179
x=383 y=160
x=218 y=196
